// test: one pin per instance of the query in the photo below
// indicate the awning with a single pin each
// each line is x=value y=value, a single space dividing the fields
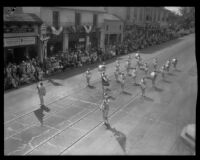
x=22 y=17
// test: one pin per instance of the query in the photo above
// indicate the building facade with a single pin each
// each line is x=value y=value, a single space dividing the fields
x=71 y=27
x=113 y=29
x=141 y=15
x=20 y=35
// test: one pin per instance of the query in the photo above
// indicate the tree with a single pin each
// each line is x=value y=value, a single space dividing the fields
x=187 y=17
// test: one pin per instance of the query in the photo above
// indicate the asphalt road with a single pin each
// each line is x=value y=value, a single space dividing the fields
x=139 y=126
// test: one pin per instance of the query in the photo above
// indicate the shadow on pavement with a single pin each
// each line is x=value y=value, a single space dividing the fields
x=158 y=89
x=39 y=113
x=120 y=137
x=171 y=74
x=111 y=97
x=177 y=70
x=91 y=87
x=147 y=98
x=126 y=93
x=166 y=81
x=54 y=83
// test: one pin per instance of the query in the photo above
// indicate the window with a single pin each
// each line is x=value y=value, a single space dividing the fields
x=135 y=13
x=141 y=11
x=95 y=20
x=158 y=16
x=120 y=27
x=107 y=27
x=77 y=19
x=55 y=19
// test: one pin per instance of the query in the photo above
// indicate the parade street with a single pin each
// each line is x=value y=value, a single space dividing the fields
x=148 y=125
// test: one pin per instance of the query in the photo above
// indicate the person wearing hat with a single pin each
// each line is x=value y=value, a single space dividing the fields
x=122 y=81
x=105 y=81
x=162 y=71
x=134 y=75
x=127 y=67
x=88 y=75
x=146 y=68
x=155 y=63
x=104 y=107
x=174 y=62
x=41 y=93
x=117 y=71
x=143 y=86
x=153 y=76
x=167 y=65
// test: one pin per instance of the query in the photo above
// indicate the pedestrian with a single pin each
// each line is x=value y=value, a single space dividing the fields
x=167 y=65
x=104 y=107
x=122 y=81
x=127 y=67
x=153 y=76
x=143 y=86
x=146 y=68
x=117 y=71
x=105 y=81
x=174 y=62
x=155 y=63
x=134 y=75
x=88 y=75
x=41 y=93
x=162 y=71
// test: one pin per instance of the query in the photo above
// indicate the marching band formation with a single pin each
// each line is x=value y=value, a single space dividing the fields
x=132 y=72
x=121 y=76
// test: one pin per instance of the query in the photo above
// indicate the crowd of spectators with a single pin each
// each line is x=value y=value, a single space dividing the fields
x=32 y=70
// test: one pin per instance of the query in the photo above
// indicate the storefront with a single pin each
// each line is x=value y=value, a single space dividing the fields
x=20 y=37
x=55 y=42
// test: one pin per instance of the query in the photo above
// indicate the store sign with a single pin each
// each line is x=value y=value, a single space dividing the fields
x=8 y=42
x=27 y=40
x=81 y=39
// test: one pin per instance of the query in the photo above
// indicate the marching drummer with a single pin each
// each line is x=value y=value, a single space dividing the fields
x=102 y=67
x=134 y=75
x=174 y=62
x=88 y=75
x=122 y=81
x=143 y=86
x=167 y=65
x=128 y=66
x=153 y=76
x=146 y=68
x=41 y=92
x=117 y=71
x=105 y=81
x=104 y=107
x=162 y=71
x=155 y=63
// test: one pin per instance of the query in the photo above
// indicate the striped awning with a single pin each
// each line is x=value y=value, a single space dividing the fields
x=22 y=17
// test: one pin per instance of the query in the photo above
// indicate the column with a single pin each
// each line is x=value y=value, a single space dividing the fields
x=102 y=39
x=87 y=41
x=65 y=41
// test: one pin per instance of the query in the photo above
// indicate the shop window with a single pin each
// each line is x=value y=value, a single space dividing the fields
x=77 y=19
x=55 y=19
x=95 y=20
